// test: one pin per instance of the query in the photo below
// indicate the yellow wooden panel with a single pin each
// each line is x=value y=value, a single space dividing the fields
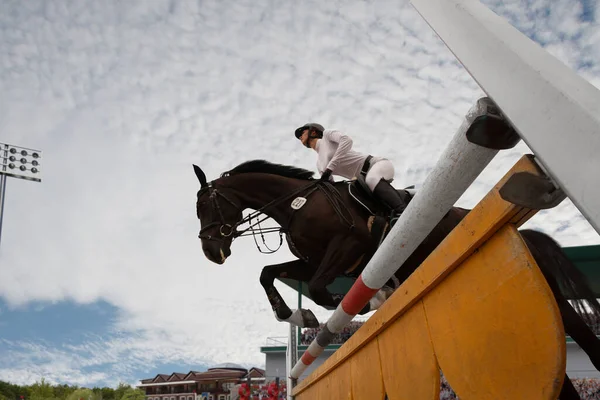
x=340 y=383
x=367 y=382
x=311 y=392
x=410 y=370
x=495 y=326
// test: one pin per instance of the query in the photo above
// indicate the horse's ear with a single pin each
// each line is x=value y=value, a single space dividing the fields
x=200 y=175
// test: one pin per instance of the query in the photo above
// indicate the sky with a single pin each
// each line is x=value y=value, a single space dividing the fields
x=102 y=278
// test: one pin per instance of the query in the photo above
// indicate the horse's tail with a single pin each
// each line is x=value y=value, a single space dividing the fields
x=571 y=282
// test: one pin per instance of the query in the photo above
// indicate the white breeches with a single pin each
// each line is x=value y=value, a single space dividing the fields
x=383 y=169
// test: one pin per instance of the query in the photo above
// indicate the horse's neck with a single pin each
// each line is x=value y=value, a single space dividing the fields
x=258 y=190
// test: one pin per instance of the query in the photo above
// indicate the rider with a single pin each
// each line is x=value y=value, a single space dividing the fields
x=335 y=156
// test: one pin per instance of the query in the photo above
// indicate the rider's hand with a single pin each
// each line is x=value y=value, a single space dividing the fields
x=326 y=177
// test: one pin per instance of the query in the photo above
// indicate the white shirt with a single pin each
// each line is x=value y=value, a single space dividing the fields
x=335 y=153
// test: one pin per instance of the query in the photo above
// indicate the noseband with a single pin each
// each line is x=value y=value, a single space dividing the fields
x=225 y=230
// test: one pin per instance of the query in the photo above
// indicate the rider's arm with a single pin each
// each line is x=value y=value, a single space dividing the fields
x=344 y=145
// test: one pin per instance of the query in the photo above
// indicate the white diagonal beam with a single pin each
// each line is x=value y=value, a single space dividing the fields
x=556 y=112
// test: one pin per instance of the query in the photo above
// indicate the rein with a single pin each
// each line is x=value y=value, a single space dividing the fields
x=228 y=230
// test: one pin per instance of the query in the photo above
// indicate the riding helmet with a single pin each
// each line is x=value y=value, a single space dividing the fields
x=311 y=125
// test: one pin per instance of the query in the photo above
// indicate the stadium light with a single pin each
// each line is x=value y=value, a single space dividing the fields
x=17 y=162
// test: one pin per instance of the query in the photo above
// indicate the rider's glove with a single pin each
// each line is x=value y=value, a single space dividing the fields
x=326 y=177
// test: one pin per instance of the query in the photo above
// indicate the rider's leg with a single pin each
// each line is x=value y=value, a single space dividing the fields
x=377 y=180
x=298 y=270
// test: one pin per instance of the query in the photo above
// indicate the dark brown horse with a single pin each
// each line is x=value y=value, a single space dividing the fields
x=329 y=233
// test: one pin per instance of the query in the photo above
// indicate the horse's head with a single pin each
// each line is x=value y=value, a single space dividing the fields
x=219 y=212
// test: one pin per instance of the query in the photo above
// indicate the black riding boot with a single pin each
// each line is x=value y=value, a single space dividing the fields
x=389 y=196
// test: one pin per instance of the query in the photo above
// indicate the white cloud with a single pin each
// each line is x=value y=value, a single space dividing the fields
x=124 y=97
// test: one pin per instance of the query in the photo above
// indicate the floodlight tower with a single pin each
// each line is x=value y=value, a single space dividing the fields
x=18 y=162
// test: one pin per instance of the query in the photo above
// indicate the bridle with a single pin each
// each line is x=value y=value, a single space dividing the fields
x=253 y=219
x=227 y=230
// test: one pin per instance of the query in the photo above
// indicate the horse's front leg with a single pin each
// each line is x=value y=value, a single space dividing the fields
x=298 y=270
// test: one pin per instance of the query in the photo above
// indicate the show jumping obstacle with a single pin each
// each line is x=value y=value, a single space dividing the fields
x=478 y=308
x=457 y=313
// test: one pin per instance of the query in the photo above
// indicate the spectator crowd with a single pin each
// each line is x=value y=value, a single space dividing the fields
x=588 y=389
x=309 y=334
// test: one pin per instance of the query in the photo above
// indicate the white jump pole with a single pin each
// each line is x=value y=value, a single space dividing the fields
x=456 y=169
x=554 y=110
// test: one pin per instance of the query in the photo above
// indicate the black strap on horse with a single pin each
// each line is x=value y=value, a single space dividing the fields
x=335 y=199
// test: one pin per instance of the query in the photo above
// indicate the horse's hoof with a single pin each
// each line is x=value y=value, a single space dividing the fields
x=387 y=291
x=309 y=319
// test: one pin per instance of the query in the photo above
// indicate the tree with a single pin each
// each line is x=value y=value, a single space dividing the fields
x=84 y=394
x=107 y=393
x=120 y=390
x=63 y=391
x=41 y=391
x=133 y=394
x=10 y=391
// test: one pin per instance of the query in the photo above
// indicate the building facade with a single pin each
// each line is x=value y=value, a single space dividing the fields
x=214 y=384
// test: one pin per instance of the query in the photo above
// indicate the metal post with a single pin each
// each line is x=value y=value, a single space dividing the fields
x=291 y=360
x=292 y=350
x=298 y=342
x=17 y=162
x=294 y=340
x=2 y=197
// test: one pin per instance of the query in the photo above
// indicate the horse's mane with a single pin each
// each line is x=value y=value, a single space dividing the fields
x=266 y=167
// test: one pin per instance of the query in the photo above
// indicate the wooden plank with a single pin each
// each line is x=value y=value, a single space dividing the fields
x=367 y=381
x=340 y=387
x=496 y=327
x=410 y=369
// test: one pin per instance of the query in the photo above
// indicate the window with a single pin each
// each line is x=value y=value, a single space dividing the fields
x=221 y=397
x=189 y=397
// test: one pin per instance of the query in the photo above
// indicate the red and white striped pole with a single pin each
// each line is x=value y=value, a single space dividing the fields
x=454 y=172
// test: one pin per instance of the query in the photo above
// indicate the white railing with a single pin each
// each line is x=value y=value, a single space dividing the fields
x=276 y=341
